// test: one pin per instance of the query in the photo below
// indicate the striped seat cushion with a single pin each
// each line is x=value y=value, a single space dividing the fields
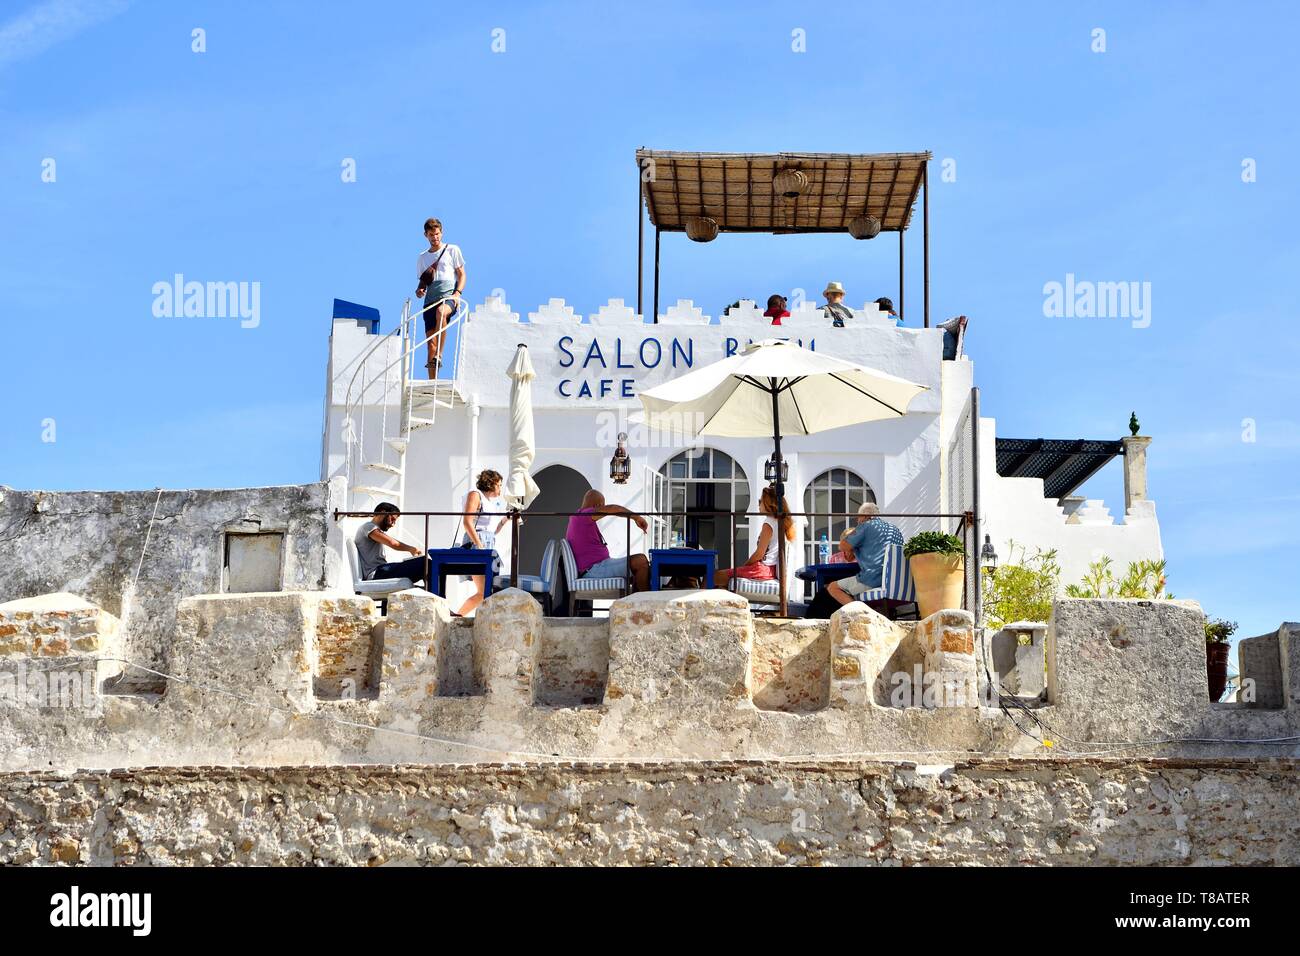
x=896 y=583
x=749 y=586
x=599 y=584
x=527 y=582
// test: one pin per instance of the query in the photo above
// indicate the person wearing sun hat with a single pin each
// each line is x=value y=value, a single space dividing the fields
x=835 y=309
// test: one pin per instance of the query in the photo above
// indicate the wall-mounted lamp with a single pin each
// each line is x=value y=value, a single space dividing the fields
x=620 y=466
x=988 y=557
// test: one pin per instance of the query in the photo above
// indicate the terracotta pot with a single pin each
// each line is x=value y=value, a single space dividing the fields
x=1216 y=668
x=938 y=579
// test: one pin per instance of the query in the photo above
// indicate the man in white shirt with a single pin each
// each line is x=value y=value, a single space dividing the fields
x=442 y=280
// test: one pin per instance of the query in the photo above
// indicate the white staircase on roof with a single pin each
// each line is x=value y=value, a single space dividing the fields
x=376 y=464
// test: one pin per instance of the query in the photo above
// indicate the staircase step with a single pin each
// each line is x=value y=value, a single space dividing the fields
x=415 y=424
x=398 y=445
x=383 y=466
x=373 y=491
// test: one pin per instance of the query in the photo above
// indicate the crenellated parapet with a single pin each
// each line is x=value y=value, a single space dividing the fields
x=289 y=677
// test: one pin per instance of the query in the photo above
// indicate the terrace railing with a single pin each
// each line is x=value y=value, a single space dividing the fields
x=962 y=522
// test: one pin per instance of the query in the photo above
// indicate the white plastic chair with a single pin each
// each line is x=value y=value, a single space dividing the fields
x=375 y=587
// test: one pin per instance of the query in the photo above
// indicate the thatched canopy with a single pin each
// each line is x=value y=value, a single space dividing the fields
x=736 y=189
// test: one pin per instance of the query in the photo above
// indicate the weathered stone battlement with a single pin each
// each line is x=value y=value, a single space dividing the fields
x=313 y=677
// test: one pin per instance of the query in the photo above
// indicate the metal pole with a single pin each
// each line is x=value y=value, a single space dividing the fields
x=514 y=547
x=900 y=275
x=925 y=234
x=627 y=559
x=780 y=494
x=428 y=578
x=640 y=244
x=656 y=275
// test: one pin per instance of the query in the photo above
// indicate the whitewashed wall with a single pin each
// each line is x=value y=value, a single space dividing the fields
x=903 y=460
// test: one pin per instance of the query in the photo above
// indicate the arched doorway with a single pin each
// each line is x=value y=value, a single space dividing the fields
x=703 y=480
x=562 y=489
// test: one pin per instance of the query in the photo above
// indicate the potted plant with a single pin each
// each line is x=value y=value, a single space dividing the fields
x=938 y=565
x=1217 y=632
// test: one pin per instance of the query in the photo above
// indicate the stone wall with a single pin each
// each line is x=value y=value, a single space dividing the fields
x=976 y=812
x=314 y=677
x=90 y=543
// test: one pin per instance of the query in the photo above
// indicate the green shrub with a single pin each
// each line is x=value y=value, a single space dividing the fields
x=933 y=542
x=1217 y=631
x=1143 y=579
x=1023 y=588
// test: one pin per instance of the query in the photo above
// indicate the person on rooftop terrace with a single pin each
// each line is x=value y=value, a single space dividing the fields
x=371 y=539
x=886 y=305
x=776 y=310
x=441 y=282
x=835 y=309
x=590 y=552
x=868 y=540
x=762 y=564
x=485 y=516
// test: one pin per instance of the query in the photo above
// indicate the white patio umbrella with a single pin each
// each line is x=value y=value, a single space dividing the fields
x=776 y=388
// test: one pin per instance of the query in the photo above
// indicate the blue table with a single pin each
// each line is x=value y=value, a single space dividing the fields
x=447 y=561
x=823 y=574
x=666 y=562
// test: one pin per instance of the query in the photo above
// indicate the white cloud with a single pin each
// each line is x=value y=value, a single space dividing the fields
x=51 y=22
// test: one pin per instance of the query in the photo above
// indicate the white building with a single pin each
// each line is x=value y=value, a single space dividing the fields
x=419 y=444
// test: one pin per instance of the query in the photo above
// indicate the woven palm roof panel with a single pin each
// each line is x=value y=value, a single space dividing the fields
x=735 y=189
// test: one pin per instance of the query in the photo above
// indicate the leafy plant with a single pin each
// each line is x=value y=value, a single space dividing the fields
x=1023 y=588
x=933 y=542
x=1217 y=630
x=1143 y=579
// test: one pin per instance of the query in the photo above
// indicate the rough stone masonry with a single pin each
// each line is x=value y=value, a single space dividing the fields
x=977 y=812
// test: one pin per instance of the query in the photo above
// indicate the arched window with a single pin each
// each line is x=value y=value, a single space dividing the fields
x=836 y=490
x=703 y=480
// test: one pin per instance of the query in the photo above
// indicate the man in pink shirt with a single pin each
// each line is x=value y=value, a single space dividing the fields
x=589 y=550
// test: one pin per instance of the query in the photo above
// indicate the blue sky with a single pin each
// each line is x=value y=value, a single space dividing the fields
x=225 y=165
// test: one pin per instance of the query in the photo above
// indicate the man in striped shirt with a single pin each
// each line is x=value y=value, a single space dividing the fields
x=868 y=541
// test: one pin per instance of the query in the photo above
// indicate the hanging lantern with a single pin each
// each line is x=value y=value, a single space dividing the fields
x=864 y=227
x=776 y=466
x=701 y=229
x=620 y=466
x=789 y=183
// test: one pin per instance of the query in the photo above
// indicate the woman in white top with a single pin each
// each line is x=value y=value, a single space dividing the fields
x=761 y=565
x=481 y=507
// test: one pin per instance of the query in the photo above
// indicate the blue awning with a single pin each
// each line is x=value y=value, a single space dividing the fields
x=362 y=313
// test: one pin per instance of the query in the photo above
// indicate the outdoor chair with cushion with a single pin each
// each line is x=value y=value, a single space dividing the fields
x=895 y=585
x=380 y=588
x=587 y=589
x=544 y=586
x=756 y=592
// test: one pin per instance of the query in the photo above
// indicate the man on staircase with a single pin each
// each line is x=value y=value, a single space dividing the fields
x=442 y=280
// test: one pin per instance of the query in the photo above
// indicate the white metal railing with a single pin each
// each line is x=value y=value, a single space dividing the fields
x=355 y=399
